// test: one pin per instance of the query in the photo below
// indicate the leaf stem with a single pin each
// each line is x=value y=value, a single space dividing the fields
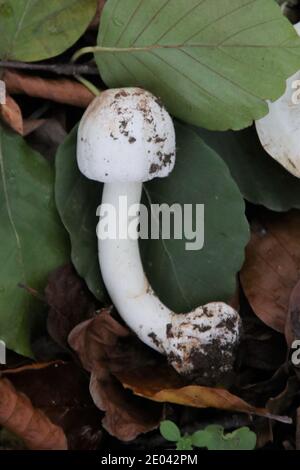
x=89 y=85
x=93 y=49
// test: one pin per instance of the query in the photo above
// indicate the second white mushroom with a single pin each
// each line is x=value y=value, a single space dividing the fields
x=279 y=130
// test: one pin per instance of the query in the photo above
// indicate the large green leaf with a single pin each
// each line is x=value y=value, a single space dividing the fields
x=213 y=62
x=260 y=178
x=77 y=199
x=33 y=241
x=183 y=279
x=37 y=29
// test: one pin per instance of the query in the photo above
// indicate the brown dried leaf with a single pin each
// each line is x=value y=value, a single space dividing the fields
x=272 y=266
x=60 y=90
x=292 y=326
x=165 y=387
x=99 y=345
x=61 y=391
x=114 y=357
x=126 y=417
x=11 y=114
x=70 y=303
x=19 y=416
x=96 y=342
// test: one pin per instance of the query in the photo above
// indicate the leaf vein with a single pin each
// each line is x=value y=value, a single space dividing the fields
x=129 y=21
x=180 y=19
x=151 y=19
x=220 y=18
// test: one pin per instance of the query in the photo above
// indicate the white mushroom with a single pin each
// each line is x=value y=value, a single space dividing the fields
x=279 y=130
x=127 y=137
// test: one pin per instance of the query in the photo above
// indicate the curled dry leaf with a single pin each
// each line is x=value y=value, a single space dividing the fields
x=165 y=387
x=70 y=303
x=272 y=266
x=98 y=344
x=60 y=90
x=11 y=114
x=18 y=415
x=292 y=326
x=125 y=416
x=61 y=391
x=107 y=350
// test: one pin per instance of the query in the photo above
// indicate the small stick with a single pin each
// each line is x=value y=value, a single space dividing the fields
x=59 y=69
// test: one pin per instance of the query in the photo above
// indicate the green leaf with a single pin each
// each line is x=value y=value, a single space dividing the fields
x=185 y=279
x=260 y=178
x=38 y=29
x=214 y=63
x=213 y=438
x=77 y=199
x=182 y=279
x=199 y=438
x=184 y=443
x=210 y=437
x=33 y=241
x=242 y=439
x=169 y=431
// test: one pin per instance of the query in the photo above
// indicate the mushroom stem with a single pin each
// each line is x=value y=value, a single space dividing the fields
x=123 y=273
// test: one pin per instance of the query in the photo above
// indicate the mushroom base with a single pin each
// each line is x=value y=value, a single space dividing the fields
x=202 y=344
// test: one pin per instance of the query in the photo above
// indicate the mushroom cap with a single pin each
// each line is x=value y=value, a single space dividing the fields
x=279 y=130
x=126 y=135
x=202 y=344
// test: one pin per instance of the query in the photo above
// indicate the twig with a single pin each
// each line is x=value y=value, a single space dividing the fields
x=30 y=367
x=59 y=69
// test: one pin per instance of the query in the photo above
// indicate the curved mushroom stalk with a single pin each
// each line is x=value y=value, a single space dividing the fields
x=123 y=274
x=202 y=342
x=279 y=130
x=127 y=137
